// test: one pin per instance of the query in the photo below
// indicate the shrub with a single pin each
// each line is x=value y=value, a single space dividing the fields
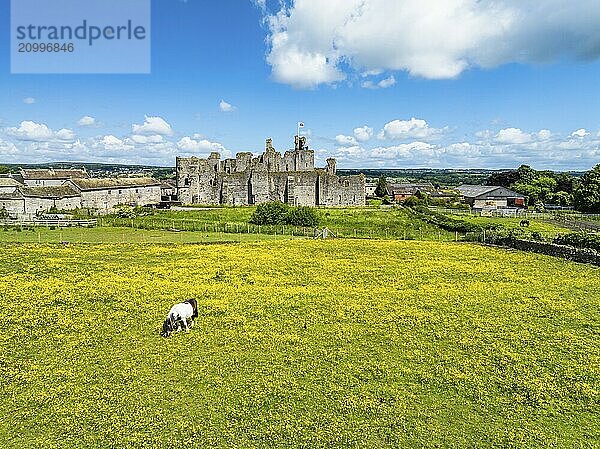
x=278 y=213
x=270 y=213
x=302 y=216
x=579 y=240
x=449 y=223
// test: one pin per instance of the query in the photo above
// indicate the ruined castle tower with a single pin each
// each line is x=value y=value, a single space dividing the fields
x=246 y=180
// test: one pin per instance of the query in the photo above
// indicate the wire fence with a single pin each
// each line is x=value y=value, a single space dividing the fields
x=520 y=213
x=177 y=225
x=197 y=230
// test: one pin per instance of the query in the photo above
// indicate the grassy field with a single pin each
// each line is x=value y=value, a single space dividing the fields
x=345 y=222
x=298 y=344
x=124 y=235
x=536 y=225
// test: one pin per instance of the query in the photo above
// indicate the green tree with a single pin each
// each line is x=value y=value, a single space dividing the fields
x=526 y=174
x=381 y=189
x=4 y=170
x=561 y=198
x=586 y=197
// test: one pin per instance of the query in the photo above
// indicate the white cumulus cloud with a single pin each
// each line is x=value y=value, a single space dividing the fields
x=29 y=100
x=581 y=133
x=141 y=139
x=345 y=141
x=226 y=107
x=38 y=132
x=363 y=133
x=65 y=135
x=200 y=146
x=513 y=136
x=86 y=120
x=313 y=42
x=383 y=84
x=153 y=125
x=112 y=142
x=409 y=129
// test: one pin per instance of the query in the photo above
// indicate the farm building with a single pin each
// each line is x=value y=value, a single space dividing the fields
x=48 y=177
x=106 y=193
x=370 y=188
x=491 y=197
x=12 y=203
x=402 y=192
x=8 y=185
x=168 y=191
x=26 y=202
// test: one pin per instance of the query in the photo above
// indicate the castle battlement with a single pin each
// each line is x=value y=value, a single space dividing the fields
x=245 y=180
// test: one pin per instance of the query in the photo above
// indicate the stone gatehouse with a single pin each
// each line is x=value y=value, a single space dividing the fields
x=246 y=180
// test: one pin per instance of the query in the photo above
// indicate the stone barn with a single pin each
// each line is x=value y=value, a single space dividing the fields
x=8 y=185
x=246 y=180
x=48 y=177
x=27 y=202
x=106 y=193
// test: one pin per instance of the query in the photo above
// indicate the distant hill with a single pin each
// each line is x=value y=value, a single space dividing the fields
x=440 y=177
x=102 y=170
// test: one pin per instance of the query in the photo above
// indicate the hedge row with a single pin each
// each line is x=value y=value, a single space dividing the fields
x=449 y=223
x=579 y=240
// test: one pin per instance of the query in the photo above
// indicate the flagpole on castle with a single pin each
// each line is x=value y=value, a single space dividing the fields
x=300 y=125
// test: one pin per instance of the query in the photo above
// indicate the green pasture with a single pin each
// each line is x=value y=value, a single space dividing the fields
x=367 y=222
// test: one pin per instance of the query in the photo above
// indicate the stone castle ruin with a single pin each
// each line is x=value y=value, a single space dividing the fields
x=247 y=180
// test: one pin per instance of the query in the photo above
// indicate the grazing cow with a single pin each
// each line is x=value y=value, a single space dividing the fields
x=525 y=223
x=178 y=317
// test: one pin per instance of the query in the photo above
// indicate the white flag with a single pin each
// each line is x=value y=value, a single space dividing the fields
x=300 y=124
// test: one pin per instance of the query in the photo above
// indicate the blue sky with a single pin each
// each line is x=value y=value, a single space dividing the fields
x=384 y=92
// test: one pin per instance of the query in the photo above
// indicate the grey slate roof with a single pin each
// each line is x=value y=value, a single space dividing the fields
x=64 y=191
x=411 y=188
x=113 y=183
x=9 y=182
x=43 y=173
x=470 y=191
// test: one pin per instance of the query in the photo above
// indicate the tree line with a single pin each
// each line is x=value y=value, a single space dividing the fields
x=545 y=187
